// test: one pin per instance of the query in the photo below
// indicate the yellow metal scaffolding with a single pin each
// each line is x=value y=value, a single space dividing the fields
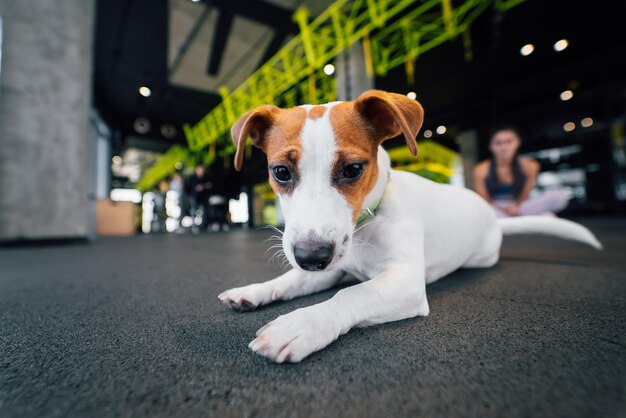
x=394 y=33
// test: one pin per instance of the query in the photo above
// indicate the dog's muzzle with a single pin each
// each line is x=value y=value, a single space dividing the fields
x=314 y=256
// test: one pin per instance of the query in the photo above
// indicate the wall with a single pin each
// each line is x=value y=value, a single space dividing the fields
x=45 y=99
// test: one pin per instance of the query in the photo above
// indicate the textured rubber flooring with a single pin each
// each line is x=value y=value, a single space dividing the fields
x=132 y=328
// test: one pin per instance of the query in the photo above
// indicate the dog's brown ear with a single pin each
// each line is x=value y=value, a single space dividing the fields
x=254 y=124
x=390 y=114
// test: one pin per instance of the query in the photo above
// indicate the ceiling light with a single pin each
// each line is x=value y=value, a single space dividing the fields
x=586 y=122
x=411 y=95
x=168 y=130
x=560 y=45
x=178 y=165
x=428 y=133
x=117 y=159
x=527 y=49
x=441 y=129
x=141 y=125
x=569 y=126
x=145 y=91
x=329 y=69
x=566 y=95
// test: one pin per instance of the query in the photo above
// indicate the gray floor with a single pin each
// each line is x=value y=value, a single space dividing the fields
x=132 y=327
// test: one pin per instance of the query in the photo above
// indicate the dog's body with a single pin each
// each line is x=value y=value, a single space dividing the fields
x=421 y=230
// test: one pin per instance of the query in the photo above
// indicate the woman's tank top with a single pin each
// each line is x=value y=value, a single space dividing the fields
x=498 y=190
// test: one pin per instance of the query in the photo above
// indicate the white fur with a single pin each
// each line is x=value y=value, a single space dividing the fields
x=422 y=232
x=315 y=206
x=542 y=225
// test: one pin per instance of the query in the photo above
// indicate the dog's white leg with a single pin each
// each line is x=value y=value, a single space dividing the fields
x=290 y=285
x=398 y=293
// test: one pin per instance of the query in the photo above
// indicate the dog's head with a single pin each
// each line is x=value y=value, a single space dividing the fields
x=322 y=164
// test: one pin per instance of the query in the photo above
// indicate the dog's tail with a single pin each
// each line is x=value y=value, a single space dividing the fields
x=551 y=226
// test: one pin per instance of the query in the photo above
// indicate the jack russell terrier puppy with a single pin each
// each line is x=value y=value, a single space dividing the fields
x=346 y=211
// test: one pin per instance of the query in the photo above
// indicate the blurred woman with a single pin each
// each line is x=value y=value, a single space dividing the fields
x=506 y=179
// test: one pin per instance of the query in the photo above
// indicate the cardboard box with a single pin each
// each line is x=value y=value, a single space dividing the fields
x=115 y=218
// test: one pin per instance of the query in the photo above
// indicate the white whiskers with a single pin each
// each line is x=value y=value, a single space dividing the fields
x=279 y=254
x=273 y=228
x=363 y=226
x=361 y=243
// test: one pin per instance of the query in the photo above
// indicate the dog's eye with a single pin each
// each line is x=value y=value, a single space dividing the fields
x=281 y=173
x=352 y=171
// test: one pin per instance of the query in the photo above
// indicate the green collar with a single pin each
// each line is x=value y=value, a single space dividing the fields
x=370 y=211
x=373 y=208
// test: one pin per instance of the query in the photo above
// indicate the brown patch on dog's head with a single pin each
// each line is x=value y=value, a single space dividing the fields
x=389 y=115
x=360 y=127
x=354 y=145
x=254 y=124
x=316 y=112
x=276 y=132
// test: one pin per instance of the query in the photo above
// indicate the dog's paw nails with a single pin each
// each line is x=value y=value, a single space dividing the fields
x=292 y=337
x=258 y=344
x=241 y=305
x=284 y=355
x=246 y=306
x=263 y=328
x=247 y=298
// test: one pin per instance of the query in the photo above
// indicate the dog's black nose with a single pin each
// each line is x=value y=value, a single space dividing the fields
x=313 y=258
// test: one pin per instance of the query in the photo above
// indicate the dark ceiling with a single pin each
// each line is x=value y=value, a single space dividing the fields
x=498 y=84
x=131 y=51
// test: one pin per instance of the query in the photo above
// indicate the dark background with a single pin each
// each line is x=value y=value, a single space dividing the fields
x=498 y=85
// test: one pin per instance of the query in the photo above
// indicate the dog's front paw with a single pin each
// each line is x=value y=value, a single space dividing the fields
x=248 y=298
x=294 y=336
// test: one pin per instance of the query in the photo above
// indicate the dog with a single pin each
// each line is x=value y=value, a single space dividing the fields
x=347 y=211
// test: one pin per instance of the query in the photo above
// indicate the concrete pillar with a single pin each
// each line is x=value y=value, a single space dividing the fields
x=45 y=100
x=352 y=78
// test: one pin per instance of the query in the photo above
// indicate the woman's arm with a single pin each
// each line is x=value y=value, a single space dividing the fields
x=531 y=169
x=480 y=174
